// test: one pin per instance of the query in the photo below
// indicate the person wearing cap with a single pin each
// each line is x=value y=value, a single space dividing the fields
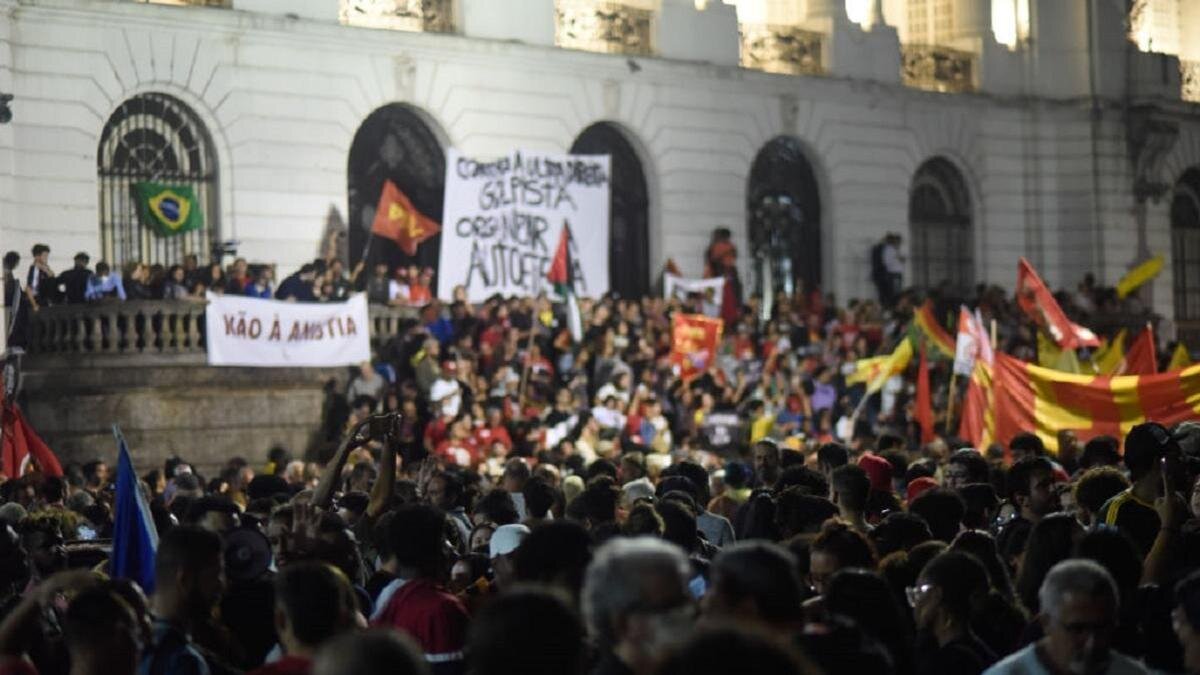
x=502 y=549
x=919 y=486
x=1132 y=510
x=74 y=282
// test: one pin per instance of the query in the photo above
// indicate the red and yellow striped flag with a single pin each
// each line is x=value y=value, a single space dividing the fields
x=1032 y=398
x=978 y=423
x=934 y=332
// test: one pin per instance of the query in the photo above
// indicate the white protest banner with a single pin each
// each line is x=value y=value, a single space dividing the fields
x=245 y=331
x=503 y=218
x=710 y=290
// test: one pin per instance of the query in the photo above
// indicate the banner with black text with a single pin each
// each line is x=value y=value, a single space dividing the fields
x=242 y=331
x=502 y=219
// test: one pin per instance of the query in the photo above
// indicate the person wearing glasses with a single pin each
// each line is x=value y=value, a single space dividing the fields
x=1079 y=610
x=949 y=594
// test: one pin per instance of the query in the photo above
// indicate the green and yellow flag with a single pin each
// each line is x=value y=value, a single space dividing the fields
x=170 y=209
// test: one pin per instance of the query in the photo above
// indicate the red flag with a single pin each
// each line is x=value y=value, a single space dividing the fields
x=924 y=412
x=22 y=446
x=1039 y=304
x=694 y=342
x=560 y=267
x=978 y=424
x=397 y=219
x=1142 y=357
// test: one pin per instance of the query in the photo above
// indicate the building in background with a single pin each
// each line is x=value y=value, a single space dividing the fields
x=1067 y=131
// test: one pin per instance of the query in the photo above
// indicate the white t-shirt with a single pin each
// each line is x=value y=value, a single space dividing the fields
x=1026 y=662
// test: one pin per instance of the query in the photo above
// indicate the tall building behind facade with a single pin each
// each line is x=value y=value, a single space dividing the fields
x=1066 y=131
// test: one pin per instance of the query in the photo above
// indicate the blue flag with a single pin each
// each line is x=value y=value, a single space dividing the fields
x=135 y=540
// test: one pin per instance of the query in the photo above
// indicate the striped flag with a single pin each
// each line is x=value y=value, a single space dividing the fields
x=1032 y=398
x=135 y=541
x=932 y=331
x=978 y=422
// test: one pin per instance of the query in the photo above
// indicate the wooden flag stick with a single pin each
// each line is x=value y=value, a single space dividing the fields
x=528 y=365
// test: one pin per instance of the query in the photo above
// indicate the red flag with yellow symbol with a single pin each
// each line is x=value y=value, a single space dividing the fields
x=1045 y=401
x=397 y=219
x=694 y=342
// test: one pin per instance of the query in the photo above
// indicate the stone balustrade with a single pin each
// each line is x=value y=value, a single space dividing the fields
x=153 y=329
x=937 y=68
x=780 y=49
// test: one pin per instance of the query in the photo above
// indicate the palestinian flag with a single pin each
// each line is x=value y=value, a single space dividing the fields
x=562 y=275
x=932 y=332
x=169 y=209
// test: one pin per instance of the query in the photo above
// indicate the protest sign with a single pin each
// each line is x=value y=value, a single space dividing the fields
x=243 y=331
x=503 y=218
x=711 y=290
x=694 y=341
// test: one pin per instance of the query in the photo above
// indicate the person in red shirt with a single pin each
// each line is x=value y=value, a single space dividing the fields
x=416 y=603
x=419 y=293
x=493 y=431
x=460 y=447
x=314 y=602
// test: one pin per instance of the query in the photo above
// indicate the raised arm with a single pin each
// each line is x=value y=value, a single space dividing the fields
x=385 y=485
x=323 y=495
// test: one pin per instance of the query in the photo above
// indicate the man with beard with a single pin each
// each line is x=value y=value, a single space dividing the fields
x=1079 y=606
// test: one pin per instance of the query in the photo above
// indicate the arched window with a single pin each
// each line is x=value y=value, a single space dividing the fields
x=629 y=210
x=154 y=137
x=939 y=216
x=1185 y=255
x=394 y=143
x=783 y=211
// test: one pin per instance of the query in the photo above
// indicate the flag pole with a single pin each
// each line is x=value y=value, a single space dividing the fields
x=528 y=365
x=994 y=347
x=950 y=406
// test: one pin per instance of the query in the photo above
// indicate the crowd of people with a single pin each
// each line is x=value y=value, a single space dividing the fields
x=323 y=280
x=494 y=496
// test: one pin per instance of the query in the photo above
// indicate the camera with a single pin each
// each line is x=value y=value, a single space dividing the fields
x=382 y=425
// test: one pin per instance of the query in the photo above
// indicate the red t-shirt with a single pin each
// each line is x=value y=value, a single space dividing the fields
x=486 y=436
x=434 y=618
x=459 y=453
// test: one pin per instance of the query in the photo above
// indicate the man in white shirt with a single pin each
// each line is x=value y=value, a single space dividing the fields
x=1080 y=606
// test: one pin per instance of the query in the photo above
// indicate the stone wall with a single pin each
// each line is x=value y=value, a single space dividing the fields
x=190 y=409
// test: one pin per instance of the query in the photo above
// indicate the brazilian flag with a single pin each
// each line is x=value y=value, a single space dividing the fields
x=170 y=209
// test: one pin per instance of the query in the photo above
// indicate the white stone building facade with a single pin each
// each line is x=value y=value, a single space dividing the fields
x=1042 y=128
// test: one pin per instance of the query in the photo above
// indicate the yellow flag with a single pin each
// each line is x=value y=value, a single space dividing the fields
x=1139 y=275
x=894 y=363
x=1051 y=356
x=865 y=370
x=1108 y=359
x=1180 y=358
